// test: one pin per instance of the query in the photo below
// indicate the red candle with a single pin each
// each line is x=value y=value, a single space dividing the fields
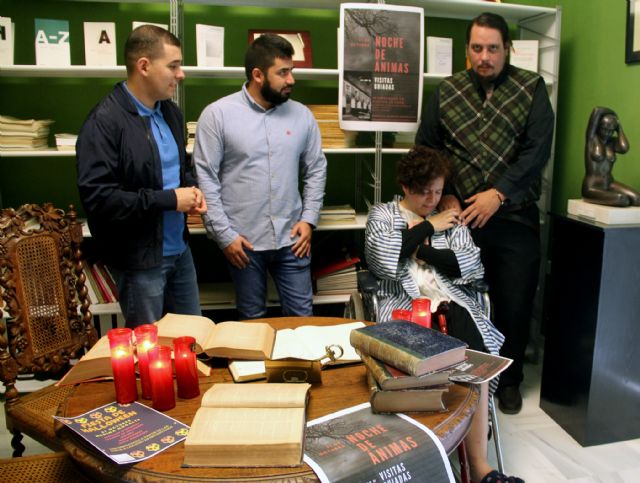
x=124 y=371
x=163 y=396
x=401 y=314
x=186 y=372
x=421 y=312
x=146 y=339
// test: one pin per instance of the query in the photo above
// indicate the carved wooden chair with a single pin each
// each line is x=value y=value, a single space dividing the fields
x=42 y=468
x=47 y=320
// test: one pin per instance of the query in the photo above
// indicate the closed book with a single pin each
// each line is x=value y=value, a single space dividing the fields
x=405 y=400
x=410 y=347
x=344 y=260
x=391 y=379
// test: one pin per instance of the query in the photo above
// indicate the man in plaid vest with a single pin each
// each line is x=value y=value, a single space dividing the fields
x=496 y=123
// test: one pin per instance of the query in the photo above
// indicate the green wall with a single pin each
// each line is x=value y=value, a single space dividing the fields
x=592 y=73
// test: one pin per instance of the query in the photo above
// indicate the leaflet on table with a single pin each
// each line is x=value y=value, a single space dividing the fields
x=479 y=367
x=127 y=433
x=354 y=445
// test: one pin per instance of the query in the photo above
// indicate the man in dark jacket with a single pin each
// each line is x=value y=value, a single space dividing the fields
x=135 y=185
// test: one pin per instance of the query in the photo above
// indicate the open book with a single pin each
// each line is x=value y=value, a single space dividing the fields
x=307 y=342
x=96 y=364
x=248 y=425
x=239 y=340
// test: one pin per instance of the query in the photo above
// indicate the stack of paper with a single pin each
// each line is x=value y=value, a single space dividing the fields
x=23 y=134
x=191 y=134
x=332 y=135
x=66 y=142
x=338 y=214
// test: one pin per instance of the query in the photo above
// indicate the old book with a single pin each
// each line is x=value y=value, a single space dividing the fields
x=390 y=379
x=244 y=371
x=96 y=364
x=405 y=400
x=409 y=347
x=235 y=340
x=248 y=425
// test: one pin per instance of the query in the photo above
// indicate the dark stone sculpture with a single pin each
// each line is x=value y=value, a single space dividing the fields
x=605 y=138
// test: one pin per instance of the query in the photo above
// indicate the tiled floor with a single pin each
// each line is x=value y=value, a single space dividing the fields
x=534 y=447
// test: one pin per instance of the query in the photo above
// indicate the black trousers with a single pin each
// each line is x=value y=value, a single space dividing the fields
x=510 y=251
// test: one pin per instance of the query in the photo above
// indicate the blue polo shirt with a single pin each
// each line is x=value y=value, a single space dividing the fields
x=173 y=222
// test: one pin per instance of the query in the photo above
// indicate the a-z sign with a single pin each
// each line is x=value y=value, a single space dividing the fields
x=52 y=42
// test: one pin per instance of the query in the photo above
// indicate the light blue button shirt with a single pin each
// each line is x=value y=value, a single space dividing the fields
x=173 y=221
x=249 y=161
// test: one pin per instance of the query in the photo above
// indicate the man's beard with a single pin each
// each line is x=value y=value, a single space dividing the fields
x=273 y=97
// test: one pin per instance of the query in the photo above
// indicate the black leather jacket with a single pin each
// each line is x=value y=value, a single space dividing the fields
x=120 y=180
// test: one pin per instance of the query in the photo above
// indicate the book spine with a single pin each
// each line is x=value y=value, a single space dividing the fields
x=384 y=351
x=102 y=285
x=109 y=279
x=91 y=286
x=375 y=369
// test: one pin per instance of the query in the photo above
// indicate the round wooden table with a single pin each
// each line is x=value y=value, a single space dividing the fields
x=342 y=387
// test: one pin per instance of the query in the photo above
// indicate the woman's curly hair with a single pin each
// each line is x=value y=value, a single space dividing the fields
x=420 y=166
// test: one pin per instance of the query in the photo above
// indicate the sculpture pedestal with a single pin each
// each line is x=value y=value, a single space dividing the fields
x=609 y=215
x=590 y=378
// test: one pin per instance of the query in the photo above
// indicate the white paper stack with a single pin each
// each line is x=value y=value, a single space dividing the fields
x=609 y=215
x=23 y=133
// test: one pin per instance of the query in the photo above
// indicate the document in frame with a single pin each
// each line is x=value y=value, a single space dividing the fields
x=381 y=66
x=356 y=446
x=127 y=433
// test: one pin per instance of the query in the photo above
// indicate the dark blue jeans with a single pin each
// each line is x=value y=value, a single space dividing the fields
x=292 y=276
x=146 y=295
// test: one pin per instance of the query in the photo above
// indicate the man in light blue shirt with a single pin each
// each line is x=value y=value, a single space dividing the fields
x=252 y=149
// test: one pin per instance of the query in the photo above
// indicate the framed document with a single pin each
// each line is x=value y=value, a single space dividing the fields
x=633 y=31
x=300 y=39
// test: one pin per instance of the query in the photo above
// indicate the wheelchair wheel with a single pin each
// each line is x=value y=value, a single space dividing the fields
x=354 y=309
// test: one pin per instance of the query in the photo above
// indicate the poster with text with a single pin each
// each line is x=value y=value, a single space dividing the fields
x=127 y=433
x=381 y=65
x=356 y=446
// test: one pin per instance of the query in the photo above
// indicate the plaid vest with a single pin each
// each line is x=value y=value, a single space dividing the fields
x=482 y=140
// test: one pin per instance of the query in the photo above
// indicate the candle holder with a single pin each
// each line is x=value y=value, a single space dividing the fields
x=163 y=396
x=146 y=339
x=186 y=371
x=122 y=365
x=421 y=312
x=401 y=314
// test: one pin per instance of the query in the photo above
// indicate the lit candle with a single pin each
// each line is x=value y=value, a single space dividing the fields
x=146 y=339
x=124 y=371
x=186 y=372
x=421 y=312
x=401 y=314
x=163 y=396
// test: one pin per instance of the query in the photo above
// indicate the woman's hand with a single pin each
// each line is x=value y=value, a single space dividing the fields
x=445 y=219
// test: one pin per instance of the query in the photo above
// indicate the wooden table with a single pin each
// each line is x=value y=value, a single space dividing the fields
x=341 y=387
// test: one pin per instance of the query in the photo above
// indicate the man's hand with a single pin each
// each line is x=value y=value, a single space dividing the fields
x=445 y=219
x=235 y=252
x=301 y=248
x=190 y=200
x=482 y=207
x=448 y=202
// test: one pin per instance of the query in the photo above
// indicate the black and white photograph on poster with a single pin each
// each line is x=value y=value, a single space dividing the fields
x=380 y=63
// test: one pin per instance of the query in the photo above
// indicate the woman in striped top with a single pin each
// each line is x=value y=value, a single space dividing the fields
x=415 y=251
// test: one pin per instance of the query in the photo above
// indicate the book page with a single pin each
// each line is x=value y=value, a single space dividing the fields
x=173 y=325
x=247 y=370
x=256 y=395
x=309 y=342
x=247 y=426
x=241 y=335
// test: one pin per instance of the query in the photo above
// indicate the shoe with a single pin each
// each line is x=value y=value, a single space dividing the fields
x=496 y=477
x=509 y=399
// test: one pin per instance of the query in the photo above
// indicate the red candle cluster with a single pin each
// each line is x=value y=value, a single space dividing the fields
x=146 y=339
x=186 y=372
x=420 y=312
x=123 y=366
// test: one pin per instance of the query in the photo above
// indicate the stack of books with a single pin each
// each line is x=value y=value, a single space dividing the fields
x=336 y=274
x=337 y=215
x=66 y=142
x=23 y=133
x=332 y=135
x=408 y=365
x=100 y=284
x=191 y=135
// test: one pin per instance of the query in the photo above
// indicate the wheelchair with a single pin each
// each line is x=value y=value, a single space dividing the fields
x=363 y=304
